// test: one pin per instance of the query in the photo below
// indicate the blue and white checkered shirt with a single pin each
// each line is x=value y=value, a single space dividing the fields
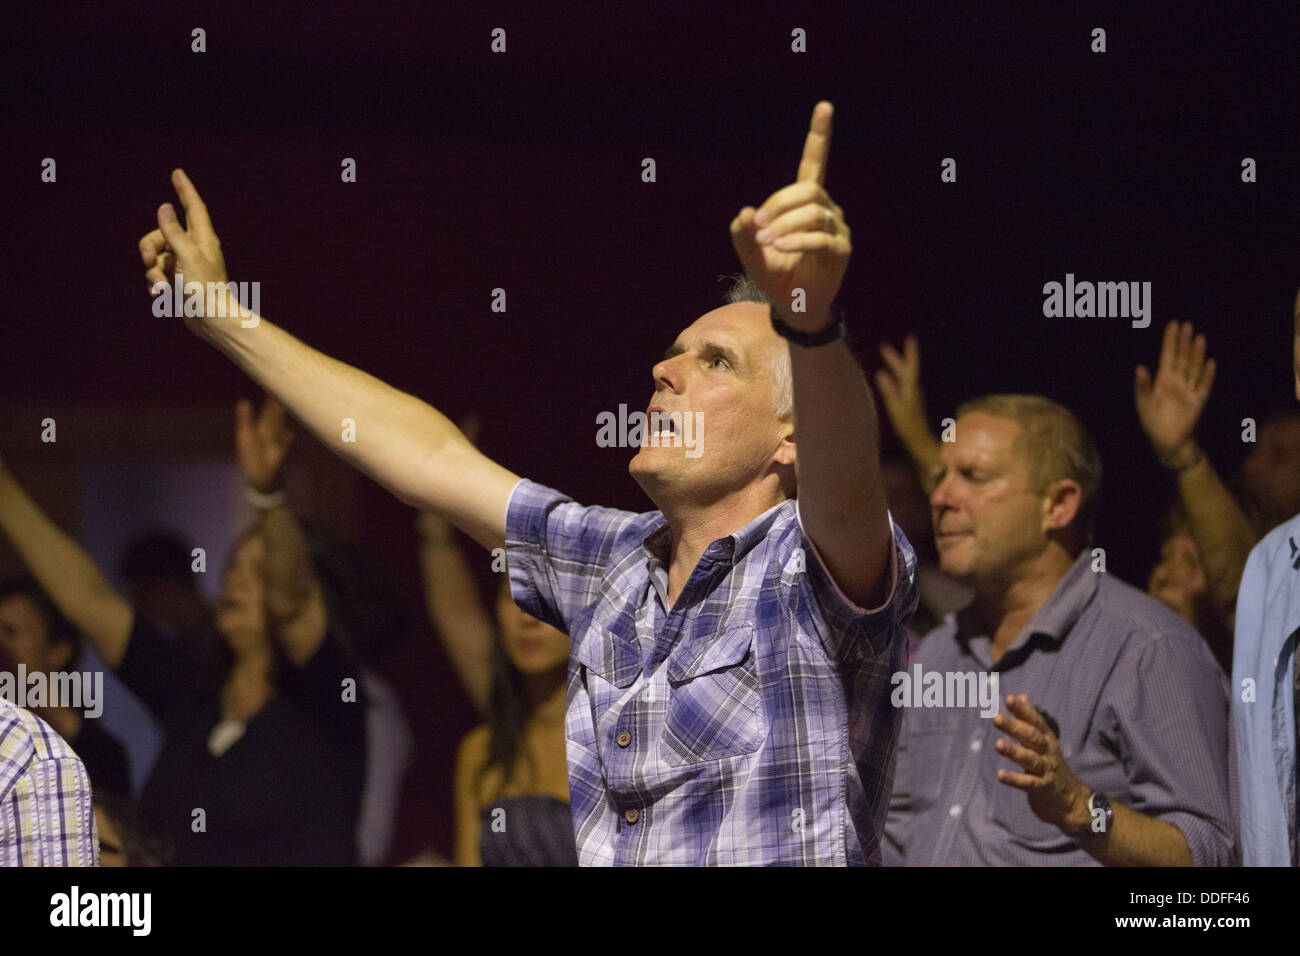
x=767 y=736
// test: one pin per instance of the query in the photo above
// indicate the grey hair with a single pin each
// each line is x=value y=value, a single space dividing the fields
x=745 y=289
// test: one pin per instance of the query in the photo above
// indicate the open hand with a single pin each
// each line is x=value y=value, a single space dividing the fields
x=1170 y=407
x=261 y=443
x=899 y=384
x=1055 y=794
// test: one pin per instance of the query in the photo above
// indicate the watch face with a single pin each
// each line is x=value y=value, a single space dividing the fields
x=1099 y=802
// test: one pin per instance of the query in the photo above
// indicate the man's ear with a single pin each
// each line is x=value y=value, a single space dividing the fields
x=1061 y=504
x=786 y=463
x=785 y=453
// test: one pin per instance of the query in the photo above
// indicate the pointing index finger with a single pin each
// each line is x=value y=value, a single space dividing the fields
x=196 y=213
x=812 y=165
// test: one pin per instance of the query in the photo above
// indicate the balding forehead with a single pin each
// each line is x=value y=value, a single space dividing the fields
x=743 y=327
x=991 y=424
x=743 y=319
x=984 y=437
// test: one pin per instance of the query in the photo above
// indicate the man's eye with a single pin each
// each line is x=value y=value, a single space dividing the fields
x=716 y=360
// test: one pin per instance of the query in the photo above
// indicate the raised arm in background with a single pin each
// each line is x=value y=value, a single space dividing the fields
x=456 y=611
x=295 y=604
x=63 y=568
x=1168 y=408
x=899 y=384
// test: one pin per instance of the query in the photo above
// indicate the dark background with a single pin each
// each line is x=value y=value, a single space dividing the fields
x=523 y=170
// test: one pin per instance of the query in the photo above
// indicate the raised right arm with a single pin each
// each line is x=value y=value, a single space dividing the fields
x=66 y=572
x=899 y=384
x=1169 y=406
x=462 y=622
x=406 y=445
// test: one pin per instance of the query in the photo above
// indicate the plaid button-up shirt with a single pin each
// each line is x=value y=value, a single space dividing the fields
x=46 y=814
x=766 y=736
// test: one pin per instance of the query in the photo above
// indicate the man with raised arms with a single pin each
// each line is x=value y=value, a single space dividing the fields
x=731 y=651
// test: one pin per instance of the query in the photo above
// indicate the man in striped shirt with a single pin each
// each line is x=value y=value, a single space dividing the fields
x=47 y=817
x=1111 y=745
x=728 y=696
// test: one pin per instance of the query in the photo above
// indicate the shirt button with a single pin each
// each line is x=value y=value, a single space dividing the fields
x=623 y=738
x=954 y=811
x=975 y=745
x=632 y=815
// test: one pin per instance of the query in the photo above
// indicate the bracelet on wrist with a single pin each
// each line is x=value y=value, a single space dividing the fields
x=1184 y=462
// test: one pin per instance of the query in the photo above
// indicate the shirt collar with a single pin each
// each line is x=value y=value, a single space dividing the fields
x=613 y=650
x=727 y=550
x=1067 y=600
x=1052 y=620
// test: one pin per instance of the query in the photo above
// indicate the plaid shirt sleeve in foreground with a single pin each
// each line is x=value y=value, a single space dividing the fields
x=47 y=816
x=558 y=551
x=844 y=625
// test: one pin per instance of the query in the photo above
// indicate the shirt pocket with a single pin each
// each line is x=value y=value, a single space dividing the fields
x=715 y=709
x=926 y=745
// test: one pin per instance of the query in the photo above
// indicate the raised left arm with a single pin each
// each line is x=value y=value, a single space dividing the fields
x=295 y=604
x=796 y=246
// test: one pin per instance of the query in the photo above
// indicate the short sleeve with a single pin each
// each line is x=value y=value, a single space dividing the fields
x=845 y=623
x=46 y=808
x=558 y=551
x=60 y=813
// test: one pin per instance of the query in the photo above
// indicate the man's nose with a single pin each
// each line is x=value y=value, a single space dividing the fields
x=941 y=497
x=666 y=374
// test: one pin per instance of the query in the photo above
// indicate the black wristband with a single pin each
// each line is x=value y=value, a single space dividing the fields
x=838 y=329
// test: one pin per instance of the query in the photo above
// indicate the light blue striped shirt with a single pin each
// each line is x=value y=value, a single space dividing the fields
x=1263 y=697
